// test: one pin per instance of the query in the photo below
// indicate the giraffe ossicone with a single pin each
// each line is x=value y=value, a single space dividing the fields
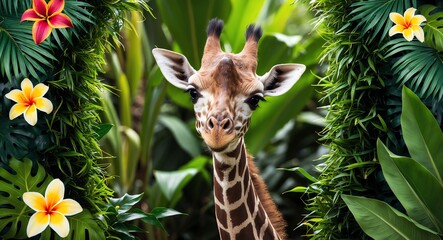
x=225 y=91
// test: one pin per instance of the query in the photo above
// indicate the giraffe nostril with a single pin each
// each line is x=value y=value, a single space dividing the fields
x=226 y=124
x=211 y=123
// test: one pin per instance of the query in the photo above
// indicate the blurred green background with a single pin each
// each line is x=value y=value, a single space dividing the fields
x=153 y=146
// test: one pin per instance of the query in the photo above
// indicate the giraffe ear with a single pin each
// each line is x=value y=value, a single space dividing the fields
x=281 y=78
x=174 y=66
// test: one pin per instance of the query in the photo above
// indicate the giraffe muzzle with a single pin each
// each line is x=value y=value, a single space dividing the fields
x=219 y=133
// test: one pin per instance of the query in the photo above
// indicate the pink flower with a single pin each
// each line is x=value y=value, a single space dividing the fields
x=46 y=17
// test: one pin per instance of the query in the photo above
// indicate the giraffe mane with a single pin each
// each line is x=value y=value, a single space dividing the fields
x=271 y=210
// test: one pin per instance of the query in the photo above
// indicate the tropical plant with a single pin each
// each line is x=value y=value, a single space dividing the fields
x=417 y=182
x=366 y=69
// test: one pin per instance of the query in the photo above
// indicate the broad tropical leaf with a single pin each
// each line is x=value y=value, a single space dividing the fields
x=434 y=26
x=381 y=221
x=415 y=187
x=422 y=134
x=172 y=183
x=18 y=179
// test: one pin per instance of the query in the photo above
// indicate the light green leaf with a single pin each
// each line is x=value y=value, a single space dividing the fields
x=182 y=134
x=171 y=183
x=14 y=213
x=422 y=134
x=161 y=212
x=414 y=186
x=381 y=221
x=125 y=203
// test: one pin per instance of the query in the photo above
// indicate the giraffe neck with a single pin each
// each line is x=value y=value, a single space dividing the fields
x=239 y=211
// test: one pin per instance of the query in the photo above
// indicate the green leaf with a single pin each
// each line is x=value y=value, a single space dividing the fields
x=381 y=221
x=434 y=26
x=101 y=130
x=182 y=134
x=414 y=186
x=125 y=203
x=21 y=178
x=422 y=134
x=161 y=212
x=304 y=173
x=171 y=183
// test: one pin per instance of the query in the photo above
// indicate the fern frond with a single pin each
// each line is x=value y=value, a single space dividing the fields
x=13 y=8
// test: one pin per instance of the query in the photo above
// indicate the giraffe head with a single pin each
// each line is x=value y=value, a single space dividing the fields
x=226 y=89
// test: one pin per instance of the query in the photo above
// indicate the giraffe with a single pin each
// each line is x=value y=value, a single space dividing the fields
x=225 y=91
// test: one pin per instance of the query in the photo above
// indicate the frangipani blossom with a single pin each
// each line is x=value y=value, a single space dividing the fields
x=46 y=17
x=28 y=100
x=409 y=25
x=50 y=209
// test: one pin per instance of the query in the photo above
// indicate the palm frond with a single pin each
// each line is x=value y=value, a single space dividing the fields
x=8 y=7
x=19 y=55
x=418 y=66
x=372 y=17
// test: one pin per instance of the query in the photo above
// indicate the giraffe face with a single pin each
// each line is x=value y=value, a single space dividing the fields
x=224 y=98
x=226 y=90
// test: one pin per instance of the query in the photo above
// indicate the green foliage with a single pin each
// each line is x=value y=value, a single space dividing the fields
x=427 y=67
x=121 y=211
x=19 y=177
x=415 y=182
x=172 y=183
x=381 y=221
x=372 y=17
x=434 y=26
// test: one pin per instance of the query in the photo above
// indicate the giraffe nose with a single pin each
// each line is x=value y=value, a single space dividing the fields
x=214 y=124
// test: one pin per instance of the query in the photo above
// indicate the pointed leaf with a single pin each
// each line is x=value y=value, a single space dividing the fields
x=422 y=134
x=381 y=221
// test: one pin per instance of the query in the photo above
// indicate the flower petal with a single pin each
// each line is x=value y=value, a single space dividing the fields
x=31 y=115
x=60 y=21
x=417 y=20
x=59 y=224
x=40 y=31
x=409 y=13
x=39 y=90
x=30 y=15
x=16 y=96
x=43 y=104
x=37 y=223
x=396 y=29
x=27 y=87
x=40 y=7
x=55 y=6
x=408 y=34
x=54 y=192
x=418 y=32
x=17 y=110
x=35 y=200
x=397 y=18
x=68 y=207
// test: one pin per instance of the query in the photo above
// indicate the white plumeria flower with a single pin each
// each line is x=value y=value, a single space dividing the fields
x=51 y=209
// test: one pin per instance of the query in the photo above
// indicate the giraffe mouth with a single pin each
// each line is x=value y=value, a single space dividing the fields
x=218 y=142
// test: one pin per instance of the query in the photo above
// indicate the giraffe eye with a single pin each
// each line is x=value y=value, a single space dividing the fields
x=195 y=95
x=253 y=101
